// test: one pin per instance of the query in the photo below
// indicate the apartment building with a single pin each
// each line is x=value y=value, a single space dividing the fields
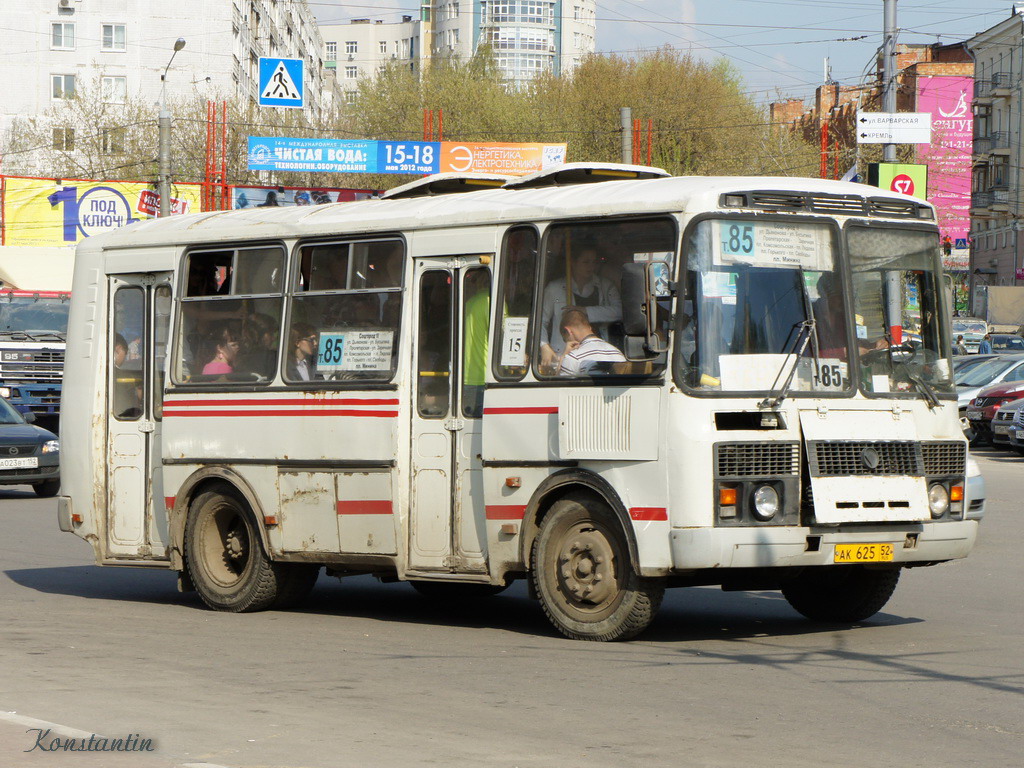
x=996 y=212
x=53 y=48
x=528 y=37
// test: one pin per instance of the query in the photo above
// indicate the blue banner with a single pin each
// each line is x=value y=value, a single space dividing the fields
x=343 y=156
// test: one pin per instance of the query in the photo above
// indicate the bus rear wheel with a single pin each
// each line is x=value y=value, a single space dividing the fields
x=226 y=561
x=582 y=573
x=841 y=594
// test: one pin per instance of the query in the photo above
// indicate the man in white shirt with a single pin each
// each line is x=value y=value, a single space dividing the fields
x=584 y=349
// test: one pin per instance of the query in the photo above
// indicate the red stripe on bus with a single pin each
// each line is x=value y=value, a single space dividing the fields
x=530 y=409
x=505 y=511
x=318 y=412
x=643 y=514
x=320 y=401
x=365 y=507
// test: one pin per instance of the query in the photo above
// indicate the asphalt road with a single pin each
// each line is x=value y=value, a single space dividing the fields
x=373 y=675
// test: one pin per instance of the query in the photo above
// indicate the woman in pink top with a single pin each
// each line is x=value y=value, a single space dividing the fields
x=225 y=344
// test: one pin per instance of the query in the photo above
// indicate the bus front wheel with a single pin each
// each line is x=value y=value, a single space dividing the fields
x=226 y=561
x=582 y=573
x=841 y=594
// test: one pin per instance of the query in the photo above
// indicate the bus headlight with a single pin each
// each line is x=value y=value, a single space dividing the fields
x=51 y=446
x=5 y=391
x=766 y=502
x=938 y=500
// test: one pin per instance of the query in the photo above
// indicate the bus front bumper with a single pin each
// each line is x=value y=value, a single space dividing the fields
x=772 y=547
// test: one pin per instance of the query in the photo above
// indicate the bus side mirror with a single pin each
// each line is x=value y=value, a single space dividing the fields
x=634 y=299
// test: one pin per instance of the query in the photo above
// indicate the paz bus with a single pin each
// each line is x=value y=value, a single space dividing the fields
x=598 y=378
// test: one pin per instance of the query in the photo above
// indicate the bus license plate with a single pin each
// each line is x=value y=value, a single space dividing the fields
x=28 y=462
x=863 y=553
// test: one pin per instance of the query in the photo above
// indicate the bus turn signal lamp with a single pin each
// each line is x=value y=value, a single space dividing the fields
x=727 y=497
x=956 y=493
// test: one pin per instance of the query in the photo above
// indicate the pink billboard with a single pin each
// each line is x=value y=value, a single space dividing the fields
x=948 y=158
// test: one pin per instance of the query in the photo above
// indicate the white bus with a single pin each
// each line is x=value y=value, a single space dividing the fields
x=604 y=388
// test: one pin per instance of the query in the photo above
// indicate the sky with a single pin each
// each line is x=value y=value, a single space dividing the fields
x=778 y=46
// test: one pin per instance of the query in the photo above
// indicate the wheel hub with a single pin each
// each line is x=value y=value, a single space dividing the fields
x=585 y=569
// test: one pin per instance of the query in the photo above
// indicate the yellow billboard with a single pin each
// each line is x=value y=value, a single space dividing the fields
x=48 y=212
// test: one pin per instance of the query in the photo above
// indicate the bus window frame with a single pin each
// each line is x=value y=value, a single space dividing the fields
x=179 y=300
x=839 y=249
x=499 y=294
x=614 y=379
x=294 y=268
x=945 y=320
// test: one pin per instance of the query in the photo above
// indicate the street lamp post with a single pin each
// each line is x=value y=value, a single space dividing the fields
x=164 y=125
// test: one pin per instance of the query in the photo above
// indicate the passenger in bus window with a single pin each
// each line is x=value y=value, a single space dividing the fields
x=259 y=347
x=585 y=351
x=477 y=322
x=302 y=345
x=127 y=383
x=221 y=350
x=598 y=295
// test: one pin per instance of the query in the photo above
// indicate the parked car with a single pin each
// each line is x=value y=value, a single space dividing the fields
x=29 y=455
x=1006 y=342
x=963 y=362
x=971 y=380
x=982 y=409
x=1003 y=421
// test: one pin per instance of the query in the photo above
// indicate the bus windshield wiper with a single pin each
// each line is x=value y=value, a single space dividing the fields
x=919 y=383
x=807 y=328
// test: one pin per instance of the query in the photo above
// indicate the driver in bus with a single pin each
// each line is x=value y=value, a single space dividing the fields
x=596 y=294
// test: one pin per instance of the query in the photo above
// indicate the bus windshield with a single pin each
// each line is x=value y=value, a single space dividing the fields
x=752 y=285
x=901 y=340
x=34 y=316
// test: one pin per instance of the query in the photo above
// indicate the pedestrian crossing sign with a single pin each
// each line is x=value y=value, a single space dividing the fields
x=281 y=83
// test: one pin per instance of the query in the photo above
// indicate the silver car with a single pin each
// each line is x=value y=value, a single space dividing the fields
x=1005 y=422
x=972 y=379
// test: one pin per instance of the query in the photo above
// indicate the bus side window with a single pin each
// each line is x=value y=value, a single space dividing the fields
x=129 y=329
x=346 y=307
x=229 y=330
x=580 y=331
x=518 y=277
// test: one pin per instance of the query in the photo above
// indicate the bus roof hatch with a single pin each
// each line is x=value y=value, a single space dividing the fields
x=586 y=173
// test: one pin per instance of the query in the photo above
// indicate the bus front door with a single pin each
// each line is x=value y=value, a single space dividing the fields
x=140 y=307
x=447 y=531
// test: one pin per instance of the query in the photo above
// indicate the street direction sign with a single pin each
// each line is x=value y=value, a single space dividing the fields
x=281 y=83
x=894 y=127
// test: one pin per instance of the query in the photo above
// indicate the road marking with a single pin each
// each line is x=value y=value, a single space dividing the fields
x=31 y=722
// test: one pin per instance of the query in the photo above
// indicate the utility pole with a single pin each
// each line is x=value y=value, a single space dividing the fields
x=626 y=119
x=889 y=71
x=164 y=125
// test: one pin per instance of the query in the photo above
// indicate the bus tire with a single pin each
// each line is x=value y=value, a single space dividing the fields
x=225 y=558
x=47 y=489
x=582 y=574
x=453 y=593
x=842 y=594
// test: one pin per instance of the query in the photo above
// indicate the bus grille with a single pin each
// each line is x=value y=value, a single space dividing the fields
x=757 y=459
x=835 y=459
x=947 y=458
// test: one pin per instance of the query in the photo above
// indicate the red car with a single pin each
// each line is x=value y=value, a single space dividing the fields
x=982 y=409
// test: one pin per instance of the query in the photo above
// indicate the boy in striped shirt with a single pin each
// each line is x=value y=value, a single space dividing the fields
x=584 y=349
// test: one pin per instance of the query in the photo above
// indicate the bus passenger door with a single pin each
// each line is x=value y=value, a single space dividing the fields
x=447 y=530
x=140 y=307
